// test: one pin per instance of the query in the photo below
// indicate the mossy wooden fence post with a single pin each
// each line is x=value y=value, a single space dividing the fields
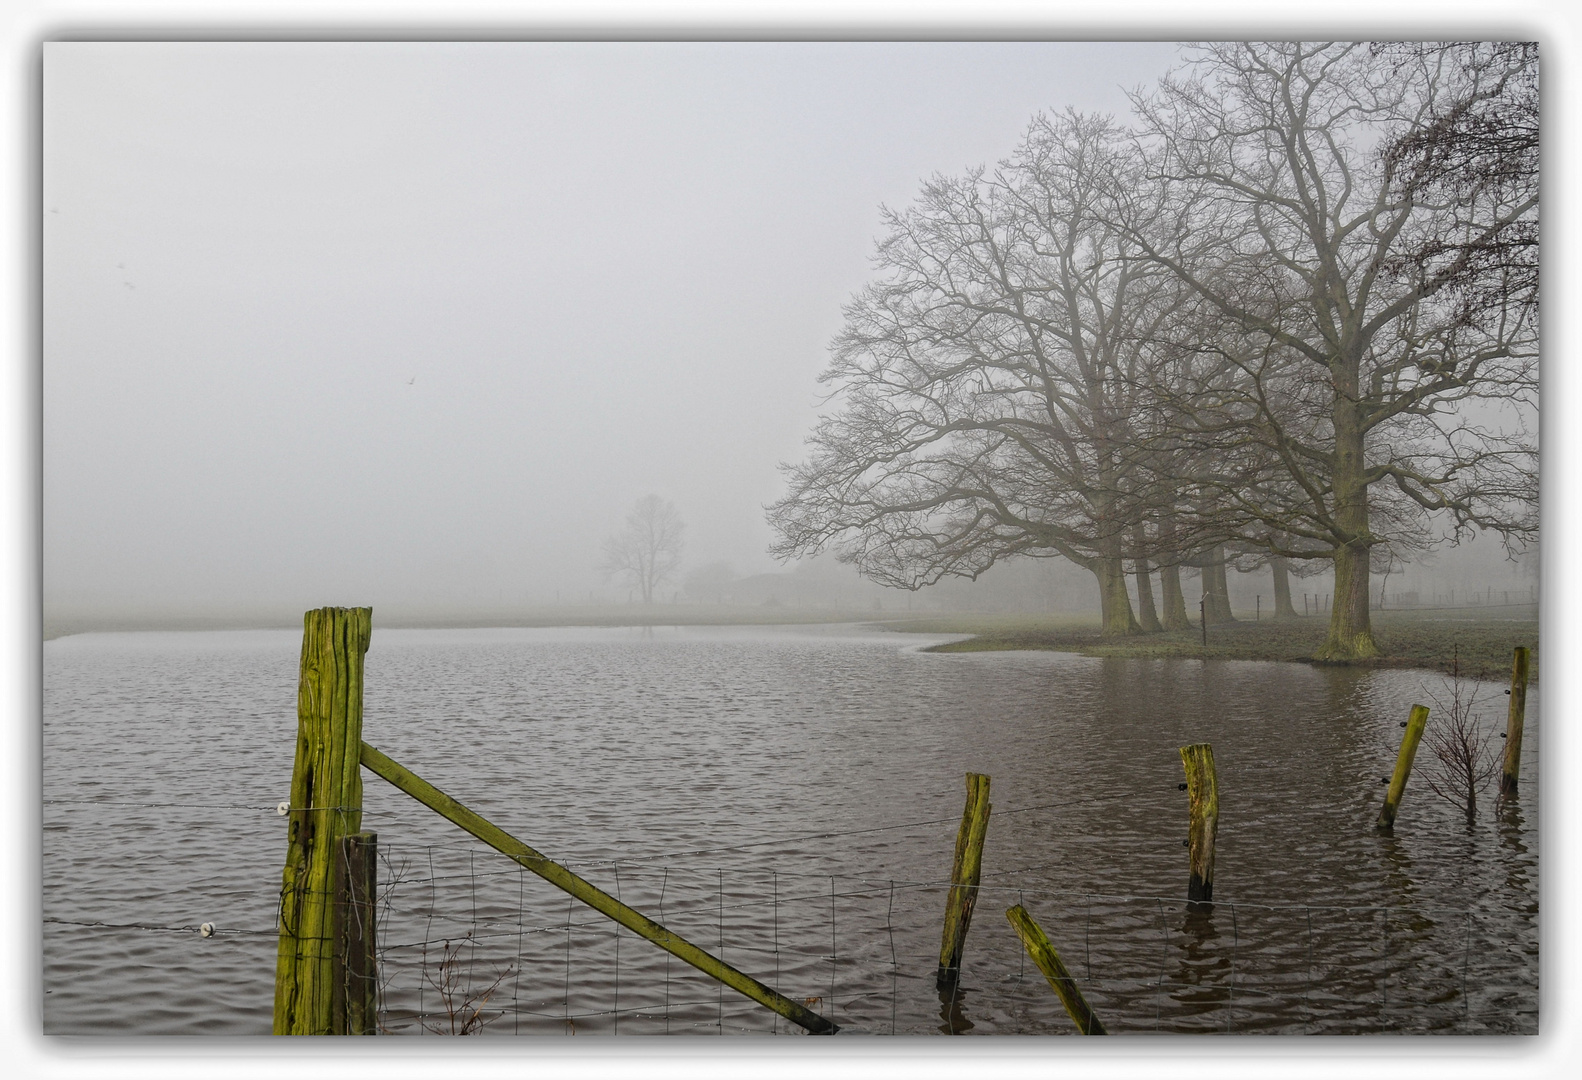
x=965 y=872
x=1513 y=724
x=326 y=806
x=1036 y=942
x=1202 y=782
x=1415 y=723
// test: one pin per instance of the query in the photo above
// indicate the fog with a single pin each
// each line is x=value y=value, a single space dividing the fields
x=414 y=325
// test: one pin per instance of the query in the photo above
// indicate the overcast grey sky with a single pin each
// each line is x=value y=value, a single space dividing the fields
x=408 y=323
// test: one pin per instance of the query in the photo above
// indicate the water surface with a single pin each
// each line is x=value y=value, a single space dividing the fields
x=786 y=797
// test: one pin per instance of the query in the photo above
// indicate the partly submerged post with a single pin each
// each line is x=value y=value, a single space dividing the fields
x=1036 y=942
x=1203 y=827
x=1513 y=724
x=1403 y=766
x=326 y=805
x=354 y=994
x=965 y=872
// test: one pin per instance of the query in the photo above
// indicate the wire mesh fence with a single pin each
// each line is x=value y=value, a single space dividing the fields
x=470 y=943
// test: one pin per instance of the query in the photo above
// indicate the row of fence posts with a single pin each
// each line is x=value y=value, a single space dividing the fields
x=326 y=978
x=1202 y=788
x=1316 y=608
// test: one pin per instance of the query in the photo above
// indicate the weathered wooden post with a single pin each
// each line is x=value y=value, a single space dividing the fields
x=1036 y=942
x=1203 y=795
x=1513 y=724
x=354 y=997
x=965 y=872
x=1403 y=766
x=326 y=805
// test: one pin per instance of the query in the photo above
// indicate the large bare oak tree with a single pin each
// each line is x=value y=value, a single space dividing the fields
x=1359 y=355
x=987 y=380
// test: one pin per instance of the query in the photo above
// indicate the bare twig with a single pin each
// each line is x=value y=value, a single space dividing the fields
x=1465 y=758
x=463 y=1004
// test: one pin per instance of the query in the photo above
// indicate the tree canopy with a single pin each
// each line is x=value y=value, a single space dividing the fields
x=1292 y=309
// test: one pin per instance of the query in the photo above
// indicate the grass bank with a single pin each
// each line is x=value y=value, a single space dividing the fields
x=1411 y=639
x=57 y=624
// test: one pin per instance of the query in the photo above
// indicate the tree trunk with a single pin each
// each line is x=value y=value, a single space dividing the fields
x=1350 y=631
x=1147 y=614
x=1115 y=601
x=1216 y=591
x=1175 y=613
x=1282 y=588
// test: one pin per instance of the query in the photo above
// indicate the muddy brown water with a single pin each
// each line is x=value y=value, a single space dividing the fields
x=787 y=798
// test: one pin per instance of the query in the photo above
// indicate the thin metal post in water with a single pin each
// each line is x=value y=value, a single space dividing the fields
x=965 y=872
x=596 y=898
x=1036 y=942
x=1513 y=724
x=1403 y=766
x=326 y=805
x=1203 y=827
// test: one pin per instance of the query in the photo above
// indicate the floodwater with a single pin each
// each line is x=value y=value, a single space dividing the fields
x=788 y=799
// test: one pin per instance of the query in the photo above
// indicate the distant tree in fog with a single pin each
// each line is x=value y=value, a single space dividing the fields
x=647 y=550
x=709 y=582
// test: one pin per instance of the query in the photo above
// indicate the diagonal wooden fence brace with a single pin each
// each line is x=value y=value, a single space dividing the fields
x=965 y=872
x=596 y=898
x=1036 y=942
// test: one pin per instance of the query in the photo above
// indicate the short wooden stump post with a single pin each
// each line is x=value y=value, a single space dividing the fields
x=354 y=995
x=1415 y=723
x=1202 y=784
x=326 y=806
x=965 y=873
x=1513 y=724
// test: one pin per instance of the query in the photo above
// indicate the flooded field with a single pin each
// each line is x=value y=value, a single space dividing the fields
x=787 y=798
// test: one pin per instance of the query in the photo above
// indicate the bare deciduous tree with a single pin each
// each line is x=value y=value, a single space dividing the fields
x=1334 y=366
x=647 y=550
x=988 y=380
